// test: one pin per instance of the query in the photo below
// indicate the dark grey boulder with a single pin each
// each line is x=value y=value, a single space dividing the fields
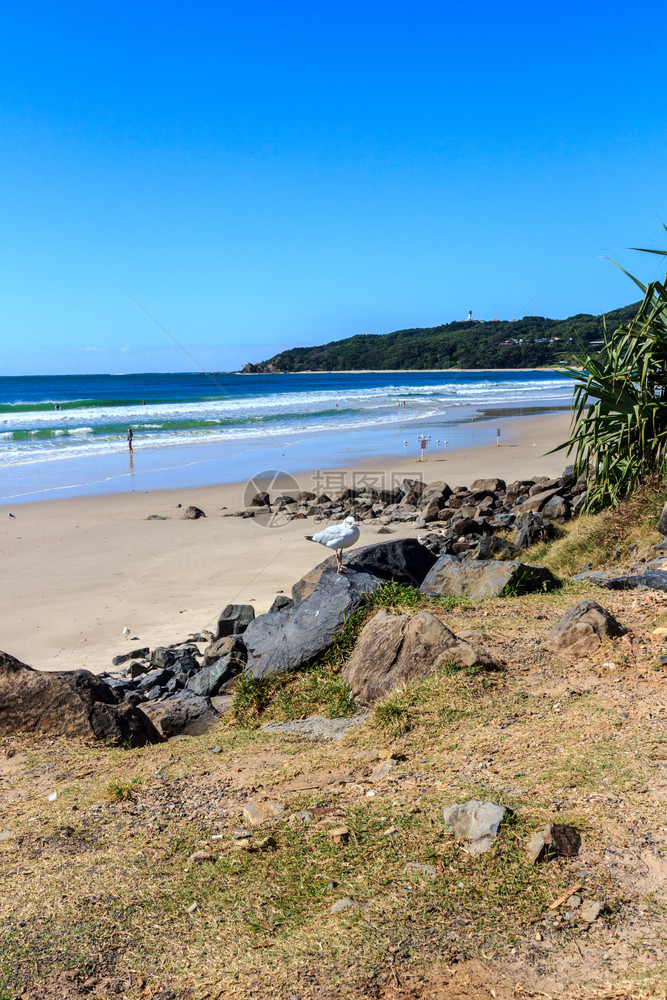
x=284 y=639
x=536 y=501
x=455 y=577
x=491 y=547
x=530 y=529
x=222 y=647
x=209 y=680
x=403 y=560
x=261 y=499
x=182 y=715
x=72 y=703
x=281 y=601
x=467 y=526
x=234 y=620
x=166 y=656
x=557 y=508
x=154 y=678
x=134 y=654
x=583 y=628
x=655 y=580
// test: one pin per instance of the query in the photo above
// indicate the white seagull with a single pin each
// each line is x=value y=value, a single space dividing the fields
x=126 y=632
x=338 y=537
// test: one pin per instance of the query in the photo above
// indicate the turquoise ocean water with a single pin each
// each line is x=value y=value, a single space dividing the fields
x=66 y=435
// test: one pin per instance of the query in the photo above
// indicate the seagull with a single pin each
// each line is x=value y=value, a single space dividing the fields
x=9 y=514
x=126 y=632
x=338 y=537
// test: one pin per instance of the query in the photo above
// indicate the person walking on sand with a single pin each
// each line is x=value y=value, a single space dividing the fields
x=130 y=435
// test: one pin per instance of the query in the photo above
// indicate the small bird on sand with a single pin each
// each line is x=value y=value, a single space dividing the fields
x=338 y=537
x=9 y=514
x=126 y=632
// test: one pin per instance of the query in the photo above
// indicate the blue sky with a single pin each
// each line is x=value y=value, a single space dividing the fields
x=262 y=175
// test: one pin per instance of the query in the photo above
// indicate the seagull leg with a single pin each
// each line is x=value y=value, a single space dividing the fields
x=339 y=559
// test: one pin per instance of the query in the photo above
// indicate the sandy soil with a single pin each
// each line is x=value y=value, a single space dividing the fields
x=78 y=571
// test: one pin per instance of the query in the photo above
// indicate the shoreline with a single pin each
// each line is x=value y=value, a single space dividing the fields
x=400 y=371
x=83 y=568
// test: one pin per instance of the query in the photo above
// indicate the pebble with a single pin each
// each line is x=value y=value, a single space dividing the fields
x=342 y=904
x=256 y=812
x=416 y=867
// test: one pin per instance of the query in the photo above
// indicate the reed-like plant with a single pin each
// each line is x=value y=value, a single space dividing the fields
x=619 y=410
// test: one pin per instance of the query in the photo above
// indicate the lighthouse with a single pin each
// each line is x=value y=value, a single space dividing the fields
x=469 y=315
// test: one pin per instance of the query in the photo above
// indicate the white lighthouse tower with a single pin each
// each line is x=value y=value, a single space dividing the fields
x=469 y=315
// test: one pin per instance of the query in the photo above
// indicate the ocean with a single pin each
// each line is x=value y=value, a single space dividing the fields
x=67 y=434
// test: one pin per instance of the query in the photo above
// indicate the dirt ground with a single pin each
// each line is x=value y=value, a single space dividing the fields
x=558 y=739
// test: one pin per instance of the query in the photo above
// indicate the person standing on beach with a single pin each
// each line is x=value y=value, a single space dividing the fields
x=130 y=435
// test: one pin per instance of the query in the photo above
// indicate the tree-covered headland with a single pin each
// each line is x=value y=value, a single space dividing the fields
x=530 y=342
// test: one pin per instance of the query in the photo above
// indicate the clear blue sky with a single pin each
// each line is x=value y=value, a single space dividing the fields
x=262 y=174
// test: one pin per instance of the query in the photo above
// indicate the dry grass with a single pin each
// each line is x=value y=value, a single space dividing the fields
x=99 y=882
x=603 y=539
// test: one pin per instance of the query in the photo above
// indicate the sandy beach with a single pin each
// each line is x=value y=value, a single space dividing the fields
x=79 y=570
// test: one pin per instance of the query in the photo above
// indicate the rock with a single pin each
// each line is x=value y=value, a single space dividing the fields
x=209 y=680
x=157 y=517
x=393 y=650
x=167 y=656
x=154 y=678
x=490 y=547
x=582 y=628
x=343 y=904
x=416 y=868
x=590 y=910
x=555 y=840
x=255 y=812
x=284 y=639
x=138 y=668
x=382 y=770
x=68 y=703
x=135 y=654
x=8 y=834
x=662 y=523
x=281 y=601
x=200 y=857
x=186 y=715
x=475 y=821
x=234 y=620
x=488 y=486
x=315 y=727
x=654 y=579
x=403 y=560
x=557 y=508
x=228 y=645
x=192 y=513
x=532 y=529
x=261 y=499
x=467 y=526
x=477 y=578
x=430 y=513
x=339 y=834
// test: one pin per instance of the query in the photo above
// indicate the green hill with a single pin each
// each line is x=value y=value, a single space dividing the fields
x=526 y=343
